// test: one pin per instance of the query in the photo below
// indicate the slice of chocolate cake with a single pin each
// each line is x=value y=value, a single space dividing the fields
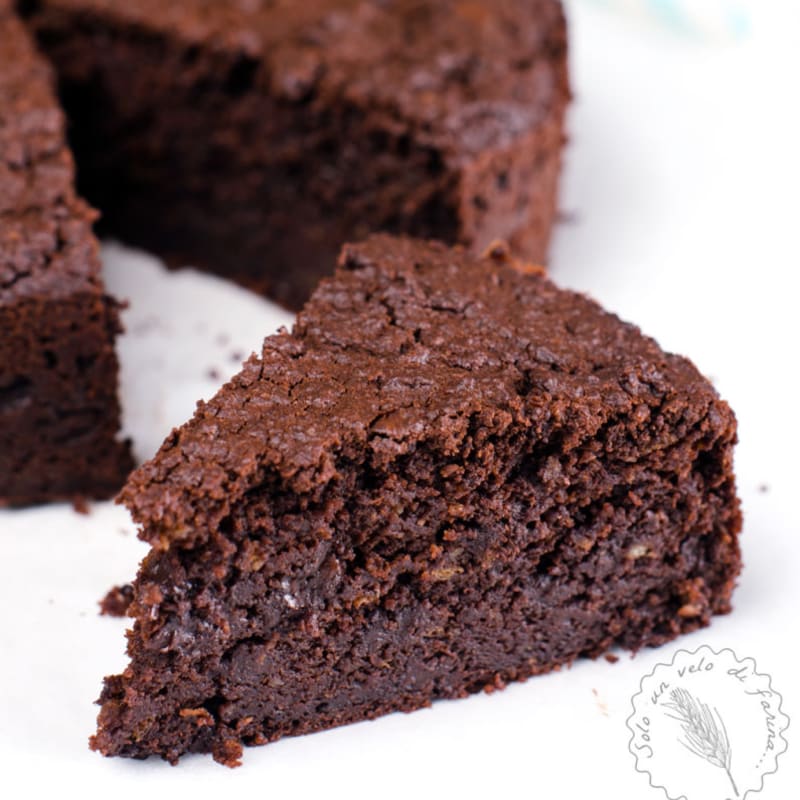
x=449 y=476
x=59 y=412
x=255 y=138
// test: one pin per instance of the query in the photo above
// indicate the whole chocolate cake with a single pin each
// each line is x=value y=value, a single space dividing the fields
x=450 y=475
x=254 y=138
x=59 y=413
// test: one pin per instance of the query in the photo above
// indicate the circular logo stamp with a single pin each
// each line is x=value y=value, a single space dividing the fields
x=707 y=726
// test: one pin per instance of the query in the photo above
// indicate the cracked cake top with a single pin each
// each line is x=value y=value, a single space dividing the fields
x=413 y=342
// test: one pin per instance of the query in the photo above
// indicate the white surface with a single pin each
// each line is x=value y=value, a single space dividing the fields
x=683 y=178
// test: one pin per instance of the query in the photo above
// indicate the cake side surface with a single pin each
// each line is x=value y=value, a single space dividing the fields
x=322 y=122
x=450 y=475
x=59 y=412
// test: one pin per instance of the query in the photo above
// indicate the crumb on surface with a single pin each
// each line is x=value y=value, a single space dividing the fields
x=116 y=601
x=500 y=252
x=763 y=488
x=80 y=505
x=567 y=217
x=611 y=658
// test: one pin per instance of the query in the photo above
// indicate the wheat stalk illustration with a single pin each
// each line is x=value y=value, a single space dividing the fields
x=704 y=732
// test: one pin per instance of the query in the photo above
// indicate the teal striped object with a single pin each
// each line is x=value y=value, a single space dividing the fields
x=706 y=19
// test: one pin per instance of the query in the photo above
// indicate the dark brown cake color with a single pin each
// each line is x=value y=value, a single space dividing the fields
x=449 y=476
x=254 y=138
x=59 y=412
x=116 y=601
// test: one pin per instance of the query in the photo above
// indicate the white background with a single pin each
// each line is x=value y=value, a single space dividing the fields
x=682 y=191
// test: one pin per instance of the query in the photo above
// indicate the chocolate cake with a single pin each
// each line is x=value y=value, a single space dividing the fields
x=450 y=475
x=59 y=413
x=254 y=138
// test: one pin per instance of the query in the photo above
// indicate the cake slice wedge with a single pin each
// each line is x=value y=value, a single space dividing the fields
x=59 y=412
x=450 y=475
